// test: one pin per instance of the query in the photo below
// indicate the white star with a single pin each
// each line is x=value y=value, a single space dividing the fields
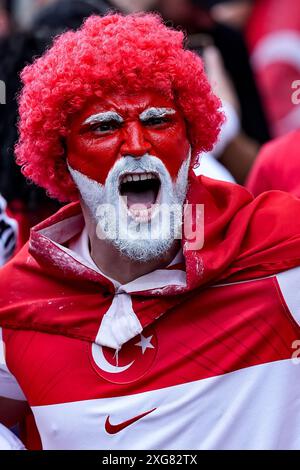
x=145 y=343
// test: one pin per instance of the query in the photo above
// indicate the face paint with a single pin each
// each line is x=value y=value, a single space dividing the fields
x=138 y=238
x=106 y=131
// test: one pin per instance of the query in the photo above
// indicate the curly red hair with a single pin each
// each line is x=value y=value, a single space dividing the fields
x=113 y=52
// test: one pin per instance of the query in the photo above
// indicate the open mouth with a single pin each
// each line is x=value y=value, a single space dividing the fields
x=140 y=192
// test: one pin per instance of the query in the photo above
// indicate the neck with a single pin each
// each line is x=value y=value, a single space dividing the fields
x=117 y=266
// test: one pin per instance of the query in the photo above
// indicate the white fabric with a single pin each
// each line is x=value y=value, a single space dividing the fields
x=155 y=280
x=220 y=422
x=229 y=129
x=210 y=167
x=120 y=323
x=289 y=122
x=289 y=283
x=9 y=441
x=80 y=247
x=9 y=387
x=279 y=46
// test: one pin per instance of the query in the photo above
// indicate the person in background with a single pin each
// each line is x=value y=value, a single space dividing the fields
x=5 y=20
x=233 y=13
x=196 y=17
x=277 y=166
x=273 y=38
x=132 y=6
x=225 y=160
x=27 y=203
x=246 y=126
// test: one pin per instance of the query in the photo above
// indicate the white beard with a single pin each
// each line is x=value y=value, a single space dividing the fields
x=139 y=241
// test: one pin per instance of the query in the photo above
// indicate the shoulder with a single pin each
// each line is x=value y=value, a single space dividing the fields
x=272 y=221
x=277 y=166
x=266 y=236
x=285 y=147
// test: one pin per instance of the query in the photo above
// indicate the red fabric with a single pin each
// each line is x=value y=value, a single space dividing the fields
x=233 y=332
x=277 y=166
x=274 y=32
x=269 y=16
x=29 y=433
x=244 y=239
x=28 y=218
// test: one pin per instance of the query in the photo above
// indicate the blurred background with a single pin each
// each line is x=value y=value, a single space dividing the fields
x=251 y=51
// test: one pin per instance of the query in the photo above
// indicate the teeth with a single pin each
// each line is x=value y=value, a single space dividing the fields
x=138 y=177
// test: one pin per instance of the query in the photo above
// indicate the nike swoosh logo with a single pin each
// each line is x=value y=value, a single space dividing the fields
x=114 y=428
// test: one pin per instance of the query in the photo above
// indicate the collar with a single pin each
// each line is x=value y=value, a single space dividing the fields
x=63 y=245
x=78 y=248
x=53 y=290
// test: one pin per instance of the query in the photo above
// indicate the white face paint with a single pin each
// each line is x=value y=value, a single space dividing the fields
x=151 y=113
x=104 y=117
x=139 y=238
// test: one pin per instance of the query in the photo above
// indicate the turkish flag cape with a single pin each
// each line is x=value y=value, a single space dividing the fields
x=44 y=289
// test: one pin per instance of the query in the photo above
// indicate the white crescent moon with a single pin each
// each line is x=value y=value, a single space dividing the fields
x=99 y=358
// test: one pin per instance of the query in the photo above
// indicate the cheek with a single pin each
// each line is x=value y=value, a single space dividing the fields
x=172 y=148
x=91 y=156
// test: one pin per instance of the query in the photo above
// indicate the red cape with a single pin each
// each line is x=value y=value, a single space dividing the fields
x=244 y=239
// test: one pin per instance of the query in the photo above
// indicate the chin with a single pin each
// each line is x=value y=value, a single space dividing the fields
x=143 y=251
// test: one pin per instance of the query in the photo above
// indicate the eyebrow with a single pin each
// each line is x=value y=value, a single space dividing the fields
x=104 y=117
x=156 y=113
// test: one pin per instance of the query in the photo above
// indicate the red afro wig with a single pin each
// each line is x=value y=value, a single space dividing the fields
x=113 y=52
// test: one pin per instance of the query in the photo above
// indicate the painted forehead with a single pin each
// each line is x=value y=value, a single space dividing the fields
x=128 y=104
x=111 y=115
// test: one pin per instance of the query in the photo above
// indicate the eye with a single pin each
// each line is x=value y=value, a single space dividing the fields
x=104 y=127
x=156 y=121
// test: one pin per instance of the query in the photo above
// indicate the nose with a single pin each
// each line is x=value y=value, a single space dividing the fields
x=134 y=143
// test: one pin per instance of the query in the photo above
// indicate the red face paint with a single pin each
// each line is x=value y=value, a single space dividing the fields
x=94 y=147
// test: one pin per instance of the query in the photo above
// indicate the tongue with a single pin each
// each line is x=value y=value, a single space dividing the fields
x=147 y=198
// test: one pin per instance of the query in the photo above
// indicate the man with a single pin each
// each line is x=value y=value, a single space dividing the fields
x=277 y=166
x=121 y=330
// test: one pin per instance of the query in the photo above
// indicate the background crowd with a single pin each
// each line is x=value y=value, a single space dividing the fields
x=251 y=51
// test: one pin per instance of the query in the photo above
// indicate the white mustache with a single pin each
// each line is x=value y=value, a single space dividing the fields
x=130 y=164
x=95 y=195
